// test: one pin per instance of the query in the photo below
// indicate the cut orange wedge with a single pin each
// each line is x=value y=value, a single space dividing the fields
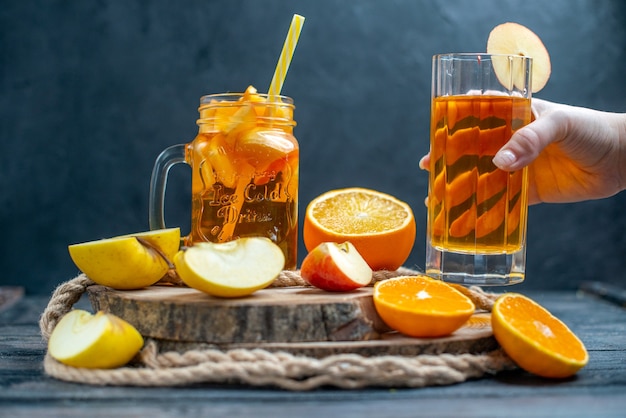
x=381 y=227
x=419 y=306
x=536 y=341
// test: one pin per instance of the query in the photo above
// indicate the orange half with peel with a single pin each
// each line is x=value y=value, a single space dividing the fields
x=381 y=227
x=536 y=341
x=420 y=306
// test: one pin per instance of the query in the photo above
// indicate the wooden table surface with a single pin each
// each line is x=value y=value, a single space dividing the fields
x=597 y=390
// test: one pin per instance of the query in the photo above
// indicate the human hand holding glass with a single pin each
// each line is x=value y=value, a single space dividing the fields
x=572 y=153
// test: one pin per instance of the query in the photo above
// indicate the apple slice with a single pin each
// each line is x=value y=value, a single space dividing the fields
x=251 y=95
x=231 y=269
x=514 y=39
x=262 y=146
x=129 y=261
x=100 y=341
x=336 y=267
x=218 y=155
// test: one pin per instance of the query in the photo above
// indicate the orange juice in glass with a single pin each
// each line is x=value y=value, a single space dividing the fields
x=245 y=168
x=477 y=213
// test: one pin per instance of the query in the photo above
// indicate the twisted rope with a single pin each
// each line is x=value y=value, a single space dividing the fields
x=260 y=367
x=292 y=277
x=61 y=302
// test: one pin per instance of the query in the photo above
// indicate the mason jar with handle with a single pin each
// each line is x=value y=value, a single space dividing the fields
x=245 y=168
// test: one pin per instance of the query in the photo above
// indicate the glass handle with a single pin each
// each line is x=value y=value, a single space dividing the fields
x=168 y=157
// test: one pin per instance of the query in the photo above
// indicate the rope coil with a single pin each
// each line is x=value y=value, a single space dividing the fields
x=258 y=367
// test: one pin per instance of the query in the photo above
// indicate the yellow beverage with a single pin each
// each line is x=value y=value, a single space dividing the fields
x=245 y=171
x=474 y=207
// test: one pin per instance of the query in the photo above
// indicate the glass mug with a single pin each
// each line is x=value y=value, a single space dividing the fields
x=245 y=169
x=476 y=230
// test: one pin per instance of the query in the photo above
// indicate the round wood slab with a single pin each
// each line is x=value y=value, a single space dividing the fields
x=299 y=320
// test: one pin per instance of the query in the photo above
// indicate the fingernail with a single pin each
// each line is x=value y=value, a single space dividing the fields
x=421 y=163
x=504 y=159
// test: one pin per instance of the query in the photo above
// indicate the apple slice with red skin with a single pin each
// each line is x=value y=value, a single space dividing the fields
x=336 y=267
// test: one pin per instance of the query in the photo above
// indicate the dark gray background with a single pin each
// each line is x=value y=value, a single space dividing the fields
x=92 y=91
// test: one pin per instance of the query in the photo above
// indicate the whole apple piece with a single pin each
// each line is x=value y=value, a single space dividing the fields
x=336 y=267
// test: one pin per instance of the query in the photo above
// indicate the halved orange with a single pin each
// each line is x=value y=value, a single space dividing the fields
x=536 y=341
x=381 y=227
x=420 y=306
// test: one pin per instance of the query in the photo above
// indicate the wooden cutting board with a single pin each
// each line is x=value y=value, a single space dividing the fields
x=300 y=320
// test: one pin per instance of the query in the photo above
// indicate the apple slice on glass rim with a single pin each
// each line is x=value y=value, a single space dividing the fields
x=514 y=39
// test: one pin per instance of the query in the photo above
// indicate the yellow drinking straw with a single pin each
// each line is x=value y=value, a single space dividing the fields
x=285 y=56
